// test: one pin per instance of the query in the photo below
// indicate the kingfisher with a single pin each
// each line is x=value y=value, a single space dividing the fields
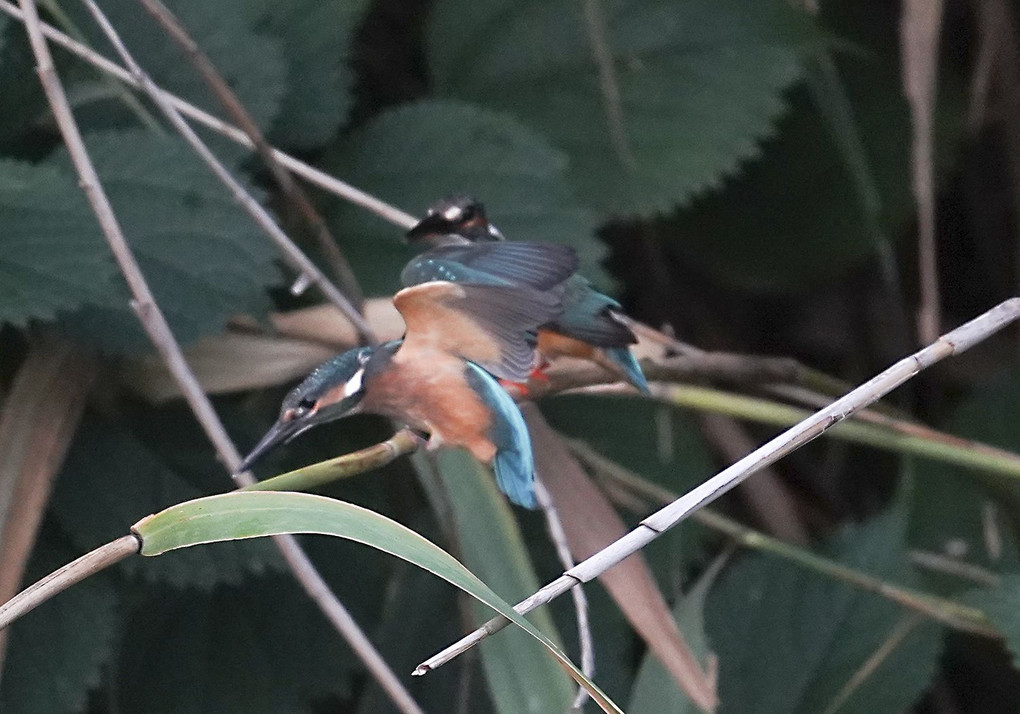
x=471 y=313
x=592 y=325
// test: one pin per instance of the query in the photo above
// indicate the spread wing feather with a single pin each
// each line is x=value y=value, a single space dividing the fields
x=490 y=325
x=536 y=265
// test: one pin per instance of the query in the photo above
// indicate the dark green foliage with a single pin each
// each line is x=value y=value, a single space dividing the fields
x=792 y=641
x=753 y=190
x=535 y=59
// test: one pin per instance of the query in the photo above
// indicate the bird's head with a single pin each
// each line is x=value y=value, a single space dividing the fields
x=333 y=390
x=460 y=216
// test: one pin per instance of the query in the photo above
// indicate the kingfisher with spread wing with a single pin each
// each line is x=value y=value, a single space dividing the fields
x=471 y=315
x=592 y=325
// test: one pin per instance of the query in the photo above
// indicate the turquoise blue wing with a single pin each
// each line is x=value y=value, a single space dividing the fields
x=514 y=463
x=588 y=316
x=535 y=265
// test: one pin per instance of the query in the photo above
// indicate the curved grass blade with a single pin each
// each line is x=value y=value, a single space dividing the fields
x=253 y=514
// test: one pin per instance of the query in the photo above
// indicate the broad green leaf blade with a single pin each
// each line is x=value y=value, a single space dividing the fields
x=205 y=260
x=1001 y=604
x=110 y=478
x=49 y=258
x=316 y=39
x=261 y=648
x=57 y=653
x=520 y=679
x=254 y=514
x=655 y=691
x=793 y=641
x=700 y=82
x=415 y=154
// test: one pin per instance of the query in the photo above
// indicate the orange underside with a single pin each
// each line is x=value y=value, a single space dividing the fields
x=553 y=344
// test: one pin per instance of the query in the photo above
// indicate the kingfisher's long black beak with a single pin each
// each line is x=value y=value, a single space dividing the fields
x=279 y=433
x=430 y=225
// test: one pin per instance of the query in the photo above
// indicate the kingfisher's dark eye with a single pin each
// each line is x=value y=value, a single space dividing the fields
x=468 y=213
x=306 y=404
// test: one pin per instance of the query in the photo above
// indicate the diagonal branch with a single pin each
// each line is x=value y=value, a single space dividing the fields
x=309 y=173
x=159 y=332
x=236 y=110
x=291 y=252
x=950 y=344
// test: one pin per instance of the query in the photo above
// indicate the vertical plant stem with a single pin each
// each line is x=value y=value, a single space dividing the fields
x=155 y=325
x=919 y=38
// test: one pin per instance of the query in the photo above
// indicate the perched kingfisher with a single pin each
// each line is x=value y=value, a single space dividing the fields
x=592 y=325
x=471 y=313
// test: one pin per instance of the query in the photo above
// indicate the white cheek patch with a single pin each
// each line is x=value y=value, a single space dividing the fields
x=452 y=213
x=353 y=385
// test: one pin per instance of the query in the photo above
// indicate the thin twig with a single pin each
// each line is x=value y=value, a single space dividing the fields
x=312 y=175
x=598 y=37
x=240 y=115
x=952 y=614
x=768 y=495
x=649 y=529
x=159 y=332
x=919 y=38
x=559 y=540
x=261 y=216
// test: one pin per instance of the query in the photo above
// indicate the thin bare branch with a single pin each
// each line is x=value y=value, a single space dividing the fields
x=159 y=332
x=314 y=176
x=291 y=252
x=559 y=540
x=230 y=102
x=598 y=37
x=953 y=343
x=919 y=38
x=74 y=572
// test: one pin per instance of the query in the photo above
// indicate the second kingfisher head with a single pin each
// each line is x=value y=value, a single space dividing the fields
x=458 y=215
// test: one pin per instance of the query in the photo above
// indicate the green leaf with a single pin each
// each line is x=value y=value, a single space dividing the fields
x=655 y=690
x=317 y=39
x=253 y=514
x=789 y=640
x=1001 y=604
x=56 y=653
x=520 y=679
x=261 y=648
x=203 y=257
x=797 y=218
x=110 y=479
x=49 y=260
x=252 y=64
x=415 y=154
x=953 y=508
x=700 y=82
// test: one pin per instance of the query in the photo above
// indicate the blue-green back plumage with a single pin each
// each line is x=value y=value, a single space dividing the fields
x=541 y=266
x=514 y=464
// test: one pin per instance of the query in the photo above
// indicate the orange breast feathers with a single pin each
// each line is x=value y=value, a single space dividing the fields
x=428 y=390
x=553 y=344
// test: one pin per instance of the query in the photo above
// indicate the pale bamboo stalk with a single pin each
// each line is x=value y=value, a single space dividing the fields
x=950 y=344
x=74 y=572
x=159 y=332
x=314 y=176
